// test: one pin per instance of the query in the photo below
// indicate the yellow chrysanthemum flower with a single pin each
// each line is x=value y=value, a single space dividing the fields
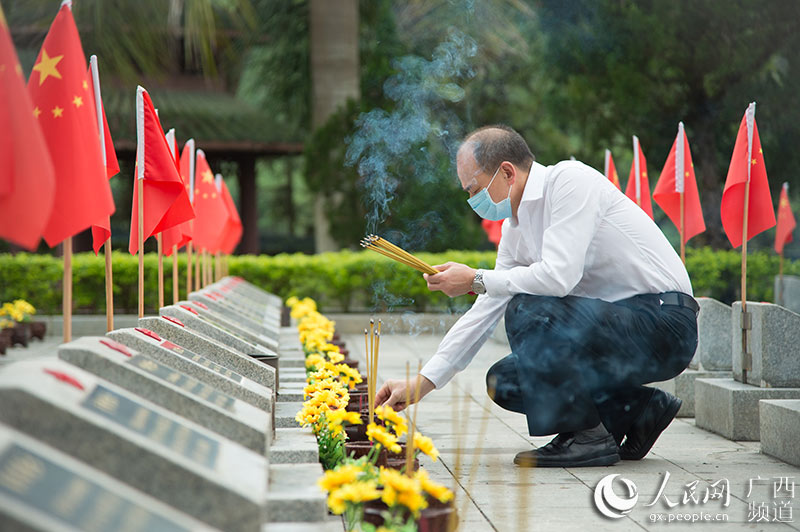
x=333 y=479
x=396 y=421
x=425 y=444
x=314 y=361
x=355 y=493
x=380 y=435
x=435 y=490
x=402 y=490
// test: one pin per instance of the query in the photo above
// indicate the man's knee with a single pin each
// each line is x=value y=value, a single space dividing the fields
x=502 y=384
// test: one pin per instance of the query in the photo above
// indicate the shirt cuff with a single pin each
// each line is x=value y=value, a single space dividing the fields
x=496 y=283
x=439 y=371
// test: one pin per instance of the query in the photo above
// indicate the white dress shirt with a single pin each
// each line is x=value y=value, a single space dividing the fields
x=574 y=234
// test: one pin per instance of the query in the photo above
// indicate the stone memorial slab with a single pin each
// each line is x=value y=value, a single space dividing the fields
x=730 y=408
x=683 y=387
x=193 y=364
x=235 y=323
x=774 y=340
x=194 y=340
x=714 y=336
x=285 y=413
x=294 y=494
x=780 y=429
x=789 y=295
x=137 y=442
x=267 y=315
x=239 y=285
x=197 y=318
x=175 y=391
x=46 y=490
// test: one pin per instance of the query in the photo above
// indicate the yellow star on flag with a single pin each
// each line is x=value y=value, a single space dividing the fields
x=760 y=151
x=644 y=174
x=784 y=202
x=208 y=177
x=36 y=112
x=2 y=68
x=85 y=85
x=213 y=195
x=77 y=101
x=754 y=162
x=197 y=190
x=3 y=19
x=686 y=174
x=57 y=112
x=205 y=196
x=46 y=67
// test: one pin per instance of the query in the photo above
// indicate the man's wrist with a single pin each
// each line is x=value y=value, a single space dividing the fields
x=478 y=285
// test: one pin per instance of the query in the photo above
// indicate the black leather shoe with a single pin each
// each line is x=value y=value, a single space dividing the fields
x=659 y=412
x=570 y=449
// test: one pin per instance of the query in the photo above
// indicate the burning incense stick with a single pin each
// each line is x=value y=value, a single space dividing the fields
x=396 y=253
x=413 y=425
x=410 y=438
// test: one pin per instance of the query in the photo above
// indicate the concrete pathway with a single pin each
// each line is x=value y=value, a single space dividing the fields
x=495 y=495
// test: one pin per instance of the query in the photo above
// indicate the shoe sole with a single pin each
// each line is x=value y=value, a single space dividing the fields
x=606 y=460
x=663 y=422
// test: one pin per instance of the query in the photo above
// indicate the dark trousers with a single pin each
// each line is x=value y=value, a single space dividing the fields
x=577 y=362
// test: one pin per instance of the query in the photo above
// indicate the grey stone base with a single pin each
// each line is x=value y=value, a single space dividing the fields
x=333 y=524
x=294 y=446
x=294 y=494
x=682 y=386
x=730 y=408
x=291 y=393
x=780 y=429
x=284 y=415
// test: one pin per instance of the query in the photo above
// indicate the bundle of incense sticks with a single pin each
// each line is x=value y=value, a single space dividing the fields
x=384 y=247
x=372 y=342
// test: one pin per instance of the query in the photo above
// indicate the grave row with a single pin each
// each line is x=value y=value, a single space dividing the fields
x=184 y=422
x=745 y=396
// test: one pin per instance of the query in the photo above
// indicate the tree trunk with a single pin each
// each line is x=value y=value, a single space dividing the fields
x=334 y=78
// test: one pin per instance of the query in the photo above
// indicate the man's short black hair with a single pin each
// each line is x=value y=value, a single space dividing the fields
x=497 y=143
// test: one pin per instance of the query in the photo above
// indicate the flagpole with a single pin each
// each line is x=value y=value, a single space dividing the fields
x=66 y=289
x=174 y=274
x=205 y=269
x=218 y=266
x=140 y=191
x=682 y=230
x=160 y=271
x=638 y=182
x=189 y=268
x=750 y=120
x=780 y=279
x=98 y=102
x=197 y=267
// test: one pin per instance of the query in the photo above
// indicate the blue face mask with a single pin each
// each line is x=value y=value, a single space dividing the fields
x=483 y=204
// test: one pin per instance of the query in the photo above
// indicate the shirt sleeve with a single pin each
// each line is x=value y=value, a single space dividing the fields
x=465 y=338
x=575 y=203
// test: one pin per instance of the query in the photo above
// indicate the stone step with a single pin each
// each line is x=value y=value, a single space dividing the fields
x=682 y=386
x=290 y=393
x=332 y=524
x=294 y=446
x=284 y=414
x=780 y=429
x=291 y=362
x=730 y=408
x=294 y=494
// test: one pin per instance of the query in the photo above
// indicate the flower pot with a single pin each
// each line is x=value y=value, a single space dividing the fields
x=359 y=432
x=357 y=449
x=437 y=517
x=21 y=334
x=358 y=401
x=5 y=343
x=38 y=329
x=362 y=386
x=336 y=337
x=286 y=316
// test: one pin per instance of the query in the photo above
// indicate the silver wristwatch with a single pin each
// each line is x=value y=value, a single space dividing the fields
x=477 y=283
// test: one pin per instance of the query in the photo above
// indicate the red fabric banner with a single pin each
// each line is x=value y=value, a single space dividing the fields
x=644 y=184
x=209 y=207
x=786 y=221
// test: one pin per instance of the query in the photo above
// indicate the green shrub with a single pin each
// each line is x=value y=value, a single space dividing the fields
x=347 y=280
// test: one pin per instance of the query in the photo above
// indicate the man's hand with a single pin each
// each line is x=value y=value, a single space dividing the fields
x=393 y=392
x=454 y=279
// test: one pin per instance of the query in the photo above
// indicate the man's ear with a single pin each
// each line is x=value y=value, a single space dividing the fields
x=509 y=172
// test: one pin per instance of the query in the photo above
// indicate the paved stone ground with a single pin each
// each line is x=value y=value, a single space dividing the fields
x=494 y=494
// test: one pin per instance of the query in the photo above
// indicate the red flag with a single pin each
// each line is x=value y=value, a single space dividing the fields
x=101 y=231
x=747 y=163
x=494 y=230
x=611 y=170
x=676 y=177
x=27 y=179
x=180 y=235
x=166 y=203
x=786 y=222
x=232 y=233
x=638 y=188
x=209 y=207
x=62 y=96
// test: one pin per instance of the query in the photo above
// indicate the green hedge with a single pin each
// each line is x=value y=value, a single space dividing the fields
x=349 y=281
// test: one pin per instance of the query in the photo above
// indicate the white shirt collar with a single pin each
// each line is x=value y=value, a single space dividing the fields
x=534 y=186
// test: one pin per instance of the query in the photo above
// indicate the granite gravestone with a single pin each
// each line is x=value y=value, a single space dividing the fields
x=46 y=490
x=137 y=442
x=235 y=325
x=192 y=336
x=255 y=317
x=191 y=363
x=787 y=293
x=729 y=406
x=175 y=391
